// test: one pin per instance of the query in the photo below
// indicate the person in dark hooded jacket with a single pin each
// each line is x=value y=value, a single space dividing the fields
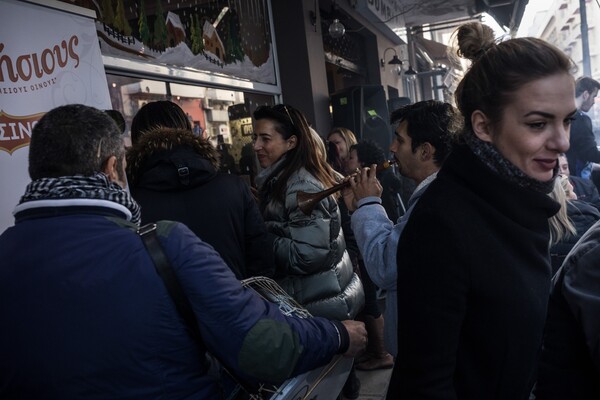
x=174 y=175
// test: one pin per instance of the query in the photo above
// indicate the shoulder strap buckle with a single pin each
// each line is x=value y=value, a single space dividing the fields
x=146 y=229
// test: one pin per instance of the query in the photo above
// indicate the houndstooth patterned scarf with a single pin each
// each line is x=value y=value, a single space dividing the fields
x=97 y=187
x=491 y=157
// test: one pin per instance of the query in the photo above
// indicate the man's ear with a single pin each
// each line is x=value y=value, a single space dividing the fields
x=426 y=151
x=585 y=95
x=481 y=126
x=110 y=169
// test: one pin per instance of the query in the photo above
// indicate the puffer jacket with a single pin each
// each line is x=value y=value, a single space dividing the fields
x=173 y=175
x=312 y=264
x=86 y=316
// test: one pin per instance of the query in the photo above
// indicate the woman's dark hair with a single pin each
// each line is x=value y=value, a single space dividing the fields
x=498 y=70
x=157 y=114
x=289 y=122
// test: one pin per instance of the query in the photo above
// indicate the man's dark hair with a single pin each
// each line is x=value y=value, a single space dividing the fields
x=429 y=121
x=73 y=140
x=368 y=153
x=585 y=83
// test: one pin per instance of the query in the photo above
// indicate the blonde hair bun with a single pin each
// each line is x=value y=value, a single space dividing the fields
x=474 y=39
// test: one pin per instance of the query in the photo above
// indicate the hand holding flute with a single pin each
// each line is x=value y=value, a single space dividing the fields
x=308 y=201
x=362 y=184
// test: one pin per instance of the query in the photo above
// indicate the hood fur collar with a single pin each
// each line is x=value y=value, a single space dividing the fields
x=161 y=139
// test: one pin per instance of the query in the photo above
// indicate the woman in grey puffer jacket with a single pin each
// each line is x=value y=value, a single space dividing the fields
x=312 y=264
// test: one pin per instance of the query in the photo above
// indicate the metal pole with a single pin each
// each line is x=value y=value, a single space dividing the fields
x=412 y=61
x=585 y=43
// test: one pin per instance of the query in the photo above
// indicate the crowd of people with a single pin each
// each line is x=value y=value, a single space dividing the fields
x=489 y=270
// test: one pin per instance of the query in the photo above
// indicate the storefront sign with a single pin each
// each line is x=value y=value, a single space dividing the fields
x=48 y=58
x=388 y=11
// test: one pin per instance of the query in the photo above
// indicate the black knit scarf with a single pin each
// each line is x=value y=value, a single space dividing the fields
x=97 y=187
x=491 y=157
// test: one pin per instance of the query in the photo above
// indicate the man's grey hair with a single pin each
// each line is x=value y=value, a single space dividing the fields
x=73 y=140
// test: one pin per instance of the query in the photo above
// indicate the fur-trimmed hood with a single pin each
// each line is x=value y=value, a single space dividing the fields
x=169 y=150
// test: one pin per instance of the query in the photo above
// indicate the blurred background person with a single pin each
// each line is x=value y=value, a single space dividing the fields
x=174 y=175
x=473 y=266
x=575 y=218
x=226 y=161
x=366 y=153
x=339 y=141
x=585 y=189
x=583 y=152
x=362 y=154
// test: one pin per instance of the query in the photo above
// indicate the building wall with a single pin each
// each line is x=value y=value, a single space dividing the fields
x=301 y=59
x=560 y=25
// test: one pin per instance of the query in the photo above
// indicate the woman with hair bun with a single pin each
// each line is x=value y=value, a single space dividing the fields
x=473 y=263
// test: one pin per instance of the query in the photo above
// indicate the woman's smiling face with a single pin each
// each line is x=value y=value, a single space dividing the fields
x=269 y=144
x=535 y=125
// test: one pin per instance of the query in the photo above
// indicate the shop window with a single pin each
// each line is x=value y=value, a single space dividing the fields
x=231 y=37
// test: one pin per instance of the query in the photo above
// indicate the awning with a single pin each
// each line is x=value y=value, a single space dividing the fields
x=507 y=13
x=436 y=51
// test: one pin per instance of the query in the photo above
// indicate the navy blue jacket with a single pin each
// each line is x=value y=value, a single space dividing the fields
x=83 y=313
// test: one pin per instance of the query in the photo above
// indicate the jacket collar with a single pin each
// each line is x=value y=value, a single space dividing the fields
x=171 y=155
x=55 y=207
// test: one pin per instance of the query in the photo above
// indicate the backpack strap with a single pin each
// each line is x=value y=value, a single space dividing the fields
x=149 y=236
